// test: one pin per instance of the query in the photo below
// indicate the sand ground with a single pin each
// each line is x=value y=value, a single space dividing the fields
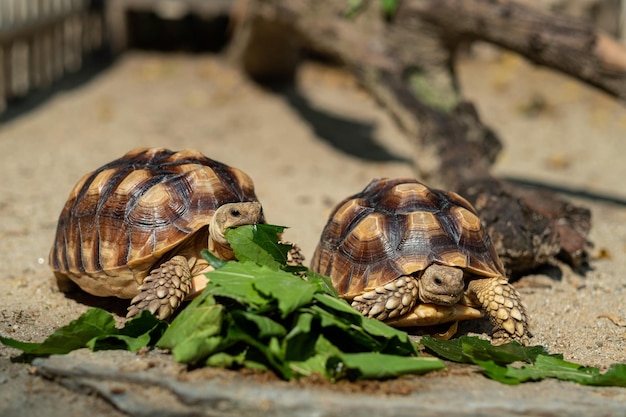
x=305 y=150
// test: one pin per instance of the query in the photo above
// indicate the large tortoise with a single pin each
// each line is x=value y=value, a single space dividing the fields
x=413 y=256
x=135 y=227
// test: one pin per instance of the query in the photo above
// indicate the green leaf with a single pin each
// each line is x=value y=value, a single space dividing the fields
x=324 y=283
x=375 y=334
x=236 y=281
x=615 y=376
x=373 y=365
x=554 y=367
x=468 y=349
x=316 y=360
x=265 y=326
x=94 y=329
x=213 y=260
x=257 y=286
x=347 y=336
x=291 y=292
x=499 y=362
x=94 y=322
x=196 y=332
x=259 y=244
x=301 y=340
x=260 y=354
x=143 y=330
x=226 y=360
x=340 y=307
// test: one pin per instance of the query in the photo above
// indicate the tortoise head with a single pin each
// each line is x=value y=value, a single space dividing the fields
x=442 y=285
x=232 y=215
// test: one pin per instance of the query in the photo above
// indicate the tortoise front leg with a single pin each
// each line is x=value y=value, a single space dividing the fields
x=506 y=311
x=388 y=301
x=164 y=289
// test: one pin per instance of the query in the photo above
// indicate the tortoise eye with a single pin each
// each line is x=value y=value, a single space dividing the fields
x=235 y=213
x=438 y=281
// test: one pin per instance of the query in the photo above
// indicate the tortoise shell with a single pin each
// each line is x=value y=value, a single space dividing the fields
x=398 y=227
x=120 y=219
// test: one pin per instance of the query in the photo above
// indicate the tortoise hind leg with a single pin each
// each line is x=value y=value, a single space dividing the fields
x=164 y=289
x=388 y=301
x=64 y=283
x=507 y=312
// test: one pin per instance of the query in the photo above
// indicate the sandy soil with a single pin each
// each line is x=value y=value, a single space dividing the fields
x=305 y=150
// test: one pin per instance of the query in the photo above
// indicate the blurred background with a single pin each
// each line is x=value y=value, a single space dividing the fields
x=41 y=41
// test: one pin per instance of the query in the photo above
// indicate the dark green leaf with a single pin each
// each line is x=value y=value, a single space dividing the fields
x=94 y=322
x=119 y=341
x=259 y=244
x=196 y=332
x=256 y=286
x=143 y=330
x=301 y=340
x=451 y=350
x=236 y=281
x=262 y=353
x=347 y=336
x=291 y=292
x=265 y=327
x=511 y=352
x=213 y=260
x=553 y=367
x=226 y=360
x=324 y=283
x=339 y=307
x=316 y=361
x=94 y=329
x=498 y=362
x=468 y=349
x=373 y=334
x=373 y=365
x=615 y=376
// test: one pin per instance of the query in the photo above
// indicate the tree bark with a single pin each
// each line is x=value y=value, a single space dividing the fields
x=556 y=41
x=407 y=64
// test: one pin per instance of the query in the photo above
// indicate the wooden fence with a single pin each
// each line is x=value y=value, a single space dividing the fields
x=40 y=40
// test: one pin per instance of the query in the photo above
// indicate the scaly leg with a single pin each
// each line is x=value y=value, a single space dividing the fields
x=164 y=289
x=505 y=308
x=388 y=301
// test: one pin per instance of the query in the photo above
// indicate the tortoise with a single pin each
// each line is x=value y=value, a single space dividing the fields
x=134 y=228
x=411 y=256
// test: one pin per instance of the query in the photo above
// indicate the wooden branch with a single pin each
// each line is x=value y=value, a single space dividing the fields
x=454 y=149
x=553 y=40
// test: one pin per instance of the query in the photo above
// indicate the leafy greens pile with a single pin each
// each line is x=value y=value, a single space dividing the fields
x=257 y=313
x=262 y=313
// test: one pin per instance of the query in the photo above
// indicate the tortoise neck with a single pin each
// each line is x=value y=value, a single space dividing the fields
x=221 y=251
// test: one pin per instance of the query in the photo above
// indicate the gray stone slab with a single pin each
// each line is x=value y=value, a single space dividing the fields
x=152 y=385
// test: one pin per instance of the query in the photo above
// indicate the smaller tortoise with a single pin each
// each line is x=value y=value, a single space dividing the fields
x=135 y=227
x=413 y=256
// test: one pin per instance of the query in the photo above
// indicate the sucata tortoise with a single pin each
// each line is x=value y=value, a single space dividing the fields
x=414 y=256
x=135 y=227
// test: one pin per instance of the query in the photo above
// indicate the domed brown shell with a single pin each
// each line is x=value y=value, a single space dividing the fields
x=398 y=227
x=120 y=219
